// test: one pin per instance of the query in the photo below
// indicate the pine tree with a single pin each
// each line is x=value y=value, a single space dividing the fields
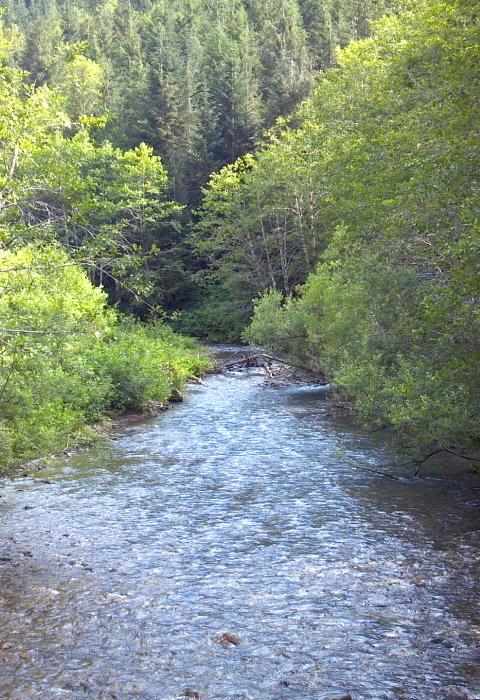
x=317 y=17
x=128 y=91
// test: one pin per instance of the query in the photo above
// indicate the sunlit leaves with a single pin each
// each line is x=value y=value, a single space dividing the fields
x=392 y=312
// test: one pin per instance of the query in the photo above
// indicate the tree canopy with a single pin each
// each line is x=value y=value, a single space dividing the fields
x=387 y=152
x=197 y=80
x=240 y=157
x=360 y=226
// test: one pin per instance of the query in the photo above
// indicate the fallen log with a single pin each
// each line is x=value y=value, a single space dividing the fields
x=265 y=361
x=257 y=360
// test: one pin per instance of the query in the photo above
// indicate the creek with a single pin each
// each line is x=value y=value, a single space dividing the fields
x=238 y=511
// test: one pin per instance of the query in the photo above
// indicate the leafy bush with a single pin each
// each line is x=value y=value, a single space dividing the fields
x=392 y=312
x=145 y=362
x=66 y=359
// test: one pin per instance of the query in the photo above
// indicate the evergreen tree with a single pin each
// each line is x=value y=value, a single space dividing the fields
x=198 y=80
x=321 y=33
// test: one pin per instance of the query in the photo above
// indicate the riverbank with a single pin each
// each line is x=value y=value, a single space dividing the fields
x=217 y=358
x=97 y=433
x=137 y=370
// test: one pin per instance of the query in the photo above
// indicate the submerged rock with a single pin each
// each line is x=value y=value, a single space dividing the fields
x=229 y=638
x=419 y=582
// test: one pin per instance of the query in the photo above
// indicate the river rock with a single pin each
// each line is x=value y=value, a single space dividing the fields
x=229 y=638
x=444 y=641
x=176 y=396
x=419 y=582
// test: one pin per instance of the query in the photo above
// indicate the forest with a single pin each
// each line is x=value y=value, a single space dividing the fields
x=298 y=174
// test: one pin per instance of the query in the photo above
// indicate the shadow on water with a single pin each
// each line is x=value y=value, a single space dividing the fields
x=238 y=511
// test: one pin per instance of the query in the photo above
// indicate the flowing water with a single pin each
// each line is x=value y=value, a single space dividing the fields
x=239 y=511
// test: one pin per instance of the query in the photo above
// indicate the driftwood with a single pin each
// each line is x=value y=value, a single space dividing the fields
x=417 y=463
x=266 y=362
x=257 y=360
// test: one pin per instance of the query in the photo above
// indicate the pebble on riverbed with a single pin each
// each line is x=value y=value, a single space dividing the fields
x=229 y=638
x=419 y=582
x=190 y=693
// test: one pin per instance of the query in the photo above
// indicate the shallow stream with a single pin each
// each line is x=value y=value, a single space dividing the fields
x=239 y=511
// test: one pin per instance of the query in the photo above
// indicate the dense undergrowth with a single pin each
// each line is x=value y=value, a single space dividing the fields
x=67 y=360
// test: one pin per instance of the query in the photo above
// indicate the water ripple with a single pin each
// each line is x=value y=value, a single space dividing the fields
x=234 y=512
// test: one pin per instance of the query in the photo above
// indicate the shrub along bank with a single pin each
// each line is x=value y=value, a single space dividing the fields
x=67 y=360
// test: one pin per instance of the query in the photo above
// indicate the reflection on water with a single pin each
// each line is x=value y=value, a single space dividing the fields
x=236 y=512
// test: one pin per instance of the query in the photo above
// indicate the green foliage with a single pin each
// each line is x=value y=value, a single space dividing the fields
x=197 y=80
x=392 y=311
x=82 y=83
x=51 y=319
x=70 y=203
x=107 y=206
x=259 y=225
x=280 y=324
x=354 y=224
x=145 y=362
x=66 y=359
x=215 y=316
